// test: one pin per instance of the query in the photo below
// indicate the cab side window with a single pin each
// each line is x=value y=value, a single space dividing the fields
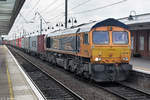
x=48 y=42
x=85 y=38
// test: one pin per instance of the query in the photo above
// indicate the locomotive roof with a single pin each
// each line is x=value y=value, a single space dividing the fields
x=110 y=22
x=88 y=26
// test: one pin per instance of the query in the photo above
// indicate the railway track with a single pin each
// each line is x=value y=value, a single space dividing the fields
x=50 y=88
x=124 y=92
x=117 y=89
x=120 y=90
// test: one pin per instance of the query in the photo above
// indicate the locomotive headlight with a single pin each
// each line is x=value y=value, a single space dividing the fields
x=97 y=59
x=125 y=58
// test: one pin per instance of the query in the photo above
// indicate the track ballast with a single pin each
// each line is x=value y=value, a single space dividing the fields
x=50 y=88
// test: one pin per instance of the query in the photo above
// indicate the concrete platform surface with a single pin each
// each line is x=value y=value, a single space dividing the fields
x=13 y=84
x=141 y=64
x=4 y=87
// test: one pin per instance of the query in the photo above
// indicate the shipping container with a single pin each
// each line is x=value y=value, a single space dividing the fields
x=16 y=42
x=19 y=42
x=9 y=42
x=27 y=43
x=22 y=43
x=33 y=43
x=41 y=43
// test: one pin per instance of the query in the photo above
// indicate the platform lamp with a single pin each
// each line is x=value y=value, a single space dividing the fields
x=50 y=28
x=59 y=25
x=132 y=15
x=72 y=20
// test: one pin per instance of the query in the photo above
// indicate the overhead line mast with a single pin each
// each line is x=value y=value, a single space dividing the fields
x=66 y=13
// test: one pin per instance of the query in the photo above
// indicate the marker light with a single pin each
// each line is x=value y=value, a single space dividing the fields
x=125 y=58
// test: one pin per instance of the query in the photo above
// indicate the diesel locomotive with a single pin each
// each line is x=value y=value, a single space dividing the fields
x=98 y=50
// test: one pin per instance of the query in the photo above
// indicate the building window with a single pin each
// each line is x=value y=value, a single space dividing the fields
x=132 y=42
x=141 y=43
x=48 y=42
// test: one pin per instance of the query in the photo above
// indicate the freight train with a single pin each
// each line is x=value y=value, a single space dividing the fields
x=98 y=50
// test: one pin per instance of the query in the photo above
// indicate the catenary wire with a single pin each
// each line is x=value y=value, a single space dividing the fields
x=54 y=9
x=49 y=5
x=80 y=5
x=90 y=10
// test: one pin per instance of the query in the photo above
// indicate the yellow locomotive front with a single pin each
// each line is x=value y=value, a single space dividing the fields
x=110 y=53
x=110 y=45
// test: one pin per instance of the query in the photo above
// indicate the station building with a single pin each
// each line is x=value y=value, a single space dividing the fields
x=139 y=26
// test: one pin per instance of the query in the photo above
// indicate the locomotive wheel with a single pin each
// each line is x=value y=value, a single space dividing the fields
x=86 y=75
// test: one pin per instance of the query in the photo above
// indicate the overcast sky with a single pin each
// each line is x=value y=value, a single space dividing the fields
x=83 y=10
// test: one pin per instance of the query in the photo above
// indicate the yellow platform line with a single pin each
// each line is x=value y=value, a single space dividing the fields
x=9 y=84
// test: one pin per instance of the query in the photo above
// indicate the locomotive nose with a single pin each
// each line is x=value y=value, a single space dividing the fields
x=110 y=54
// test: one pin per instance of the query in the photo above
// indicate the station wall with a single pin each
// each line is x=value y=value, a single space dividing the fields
x=141 y=42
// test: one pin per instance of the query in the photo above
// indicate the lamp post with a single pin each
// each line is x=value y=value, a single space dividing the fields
x=72 y=20
x=25 y=23
x=59 y=25
x=132 y=15
x=50 y=28
x=41 y=19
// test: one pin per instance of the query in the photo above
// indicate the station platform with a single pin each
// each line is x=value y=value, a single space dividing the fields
x=141 y=64
x=14 y=83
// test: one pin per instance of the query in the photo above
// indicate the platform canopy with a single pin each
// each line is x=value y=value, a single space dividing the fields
x=137 y=22
x=9 y=10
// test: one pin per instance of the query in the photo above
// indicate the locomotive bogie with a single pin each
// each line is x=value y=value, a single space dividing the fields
x=110 y=72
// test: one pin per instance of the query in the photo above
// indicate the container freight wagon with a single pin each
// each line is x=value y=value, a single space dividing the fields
x=22 y=43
